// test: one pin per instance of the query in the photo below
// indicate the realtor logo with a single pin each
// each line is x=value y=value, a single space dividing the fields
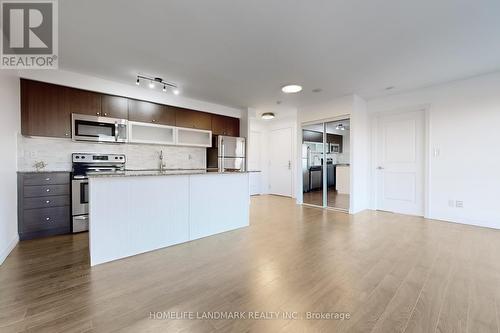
x=29 y=34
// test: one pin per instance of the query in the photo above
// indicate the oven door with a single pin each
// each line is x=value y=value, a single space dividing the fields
x=100 y=129
x=80 y=196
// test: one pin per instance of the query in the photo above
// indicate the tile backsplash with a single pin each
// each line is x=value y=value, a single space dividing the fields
x=56 y=153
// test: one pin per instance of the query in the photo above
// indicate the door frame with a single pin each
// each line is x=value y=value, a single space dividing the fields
x=375 y=127
x=325 y=176
x=292 y=164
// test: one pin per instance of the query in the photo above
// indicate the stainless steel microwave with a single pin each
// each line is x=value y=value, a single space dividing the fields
x=98 y=129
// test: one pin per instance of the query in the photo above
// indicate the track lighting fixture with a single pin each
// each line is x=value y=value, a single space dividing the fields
x=158 y=80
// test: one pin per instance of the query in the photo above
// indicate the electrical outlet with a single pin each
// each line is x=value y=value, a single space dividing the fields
x=459 y=204
x=451 y=203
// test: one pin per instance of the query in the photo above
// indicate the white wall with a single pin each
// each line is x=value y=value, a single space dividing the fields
x=464 y=128
x=359 y=156
x=9 y=127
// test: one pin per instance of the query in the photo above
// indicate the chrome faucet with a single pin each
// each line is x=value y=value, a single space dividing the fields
x=162 y=163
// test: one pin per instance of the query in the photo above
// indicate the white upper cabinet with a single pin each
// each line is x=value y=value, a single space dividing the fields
x=194 y=137
x=139 y=132
x=151 y=133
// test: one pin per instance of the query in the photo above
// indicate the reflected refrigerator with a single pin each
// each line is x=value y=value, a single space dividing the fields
x=306 y=165
x=228 y=153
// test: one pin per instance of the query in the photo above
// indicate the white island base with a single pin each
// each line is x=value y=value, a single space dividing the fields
x=135 y=214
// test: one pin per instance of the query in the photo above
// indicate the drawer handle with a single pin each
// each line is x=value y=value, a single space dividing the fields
x=47 y=219
x=47 y=190
x=48 y=201
x=47 y=179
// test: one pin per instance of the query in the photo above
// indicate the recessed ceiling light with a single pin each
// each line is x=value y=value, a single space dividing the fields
x=291 y=88
x=267 y=115
x=176 y=91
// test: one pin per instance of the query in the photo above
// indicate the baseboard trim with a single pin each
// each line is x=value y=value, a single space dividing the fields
x=5 y=253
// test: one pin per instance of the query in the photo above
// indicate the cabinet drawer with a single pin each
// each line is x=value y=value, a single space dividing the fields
x=48 y=190
x=42 y=202
x=46 y=178
x=46 y=218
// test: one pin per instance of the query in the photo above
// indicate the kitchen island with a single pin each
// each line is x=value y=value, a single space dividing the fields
x=140 y=211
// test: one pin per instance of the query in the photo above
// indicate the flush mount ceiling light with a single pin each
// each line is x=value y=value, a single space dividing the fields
x=153 y=81
x=267 y=115
x=291 y=88
x=340 y=127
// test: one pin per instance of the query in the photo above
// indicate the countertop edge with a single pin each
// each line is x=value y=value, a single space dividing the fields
x=161 y=174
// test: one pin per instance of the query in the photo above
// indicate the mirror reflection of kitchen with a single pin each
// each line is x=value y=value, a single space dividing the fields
x=334 y=158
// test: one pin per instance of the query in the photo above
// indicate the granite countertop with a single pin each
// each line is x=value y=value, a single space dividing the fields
x=169 y=172
x=43 y=171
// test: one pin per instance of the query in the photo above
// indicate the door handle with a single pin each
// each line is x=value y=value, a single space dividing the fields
x=380 y=168
x=289 y=165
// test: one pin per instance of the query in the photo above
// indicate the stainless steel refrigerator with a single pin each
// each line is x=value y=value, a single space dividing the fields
x=228 y=153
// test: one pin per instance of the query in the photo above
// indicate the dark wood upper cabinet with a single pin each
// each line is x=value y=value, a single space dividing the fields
x=80 y=101
x=41 y=111
x=193 y=119
x=334 y=138
x=223 y=125
x=312 y=136
x=233 y=126
x=148 y=112
x=46 y=111
x=114 y=106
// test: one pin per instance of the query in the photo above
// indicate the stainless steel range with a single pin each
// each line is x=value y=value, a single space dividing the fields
x=83 y=163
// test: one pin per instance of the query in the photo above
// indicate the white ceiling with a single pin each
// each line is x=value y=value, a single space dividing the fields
x=239 y=53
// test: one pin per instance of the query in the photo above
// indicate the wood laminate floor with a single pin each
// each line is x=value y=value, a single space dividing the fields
x=391 y=273
x=334 y=199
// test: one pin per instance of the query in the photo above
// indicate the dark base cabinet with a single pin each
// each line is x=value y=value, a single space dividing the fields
x=44 y=204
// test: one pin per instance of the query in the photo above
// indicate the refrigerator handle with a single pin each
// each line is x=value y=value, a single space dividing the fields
x=223 y=155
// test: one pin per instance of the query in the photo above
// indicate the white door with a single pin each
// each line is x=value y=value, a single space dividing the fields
x=400 y=167
x=280 y=162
